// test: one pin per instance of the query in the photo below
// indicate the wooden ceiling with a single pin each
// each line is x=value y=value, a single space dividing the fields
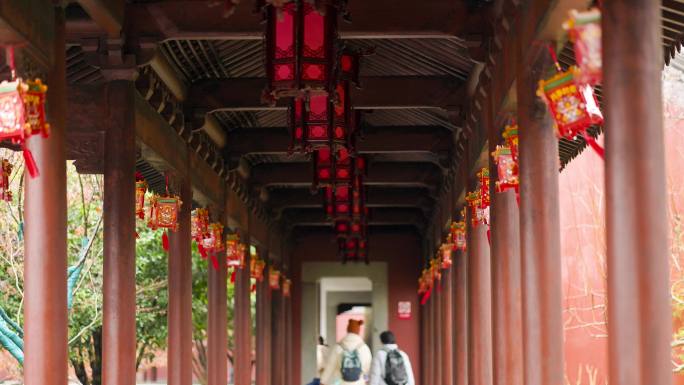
x=413 y=96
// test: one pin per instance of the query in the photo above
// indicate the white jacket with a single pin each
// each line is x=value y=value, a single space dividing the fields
x=332 y=375
x=377 y=374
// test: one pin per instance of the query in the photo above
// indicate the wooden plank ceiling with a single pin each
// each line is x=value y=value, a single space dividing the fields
x=412 y=96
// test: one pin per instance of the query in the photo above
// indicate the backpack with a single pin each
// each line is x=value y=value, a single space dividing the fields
x=395 y=369
x=351 y=366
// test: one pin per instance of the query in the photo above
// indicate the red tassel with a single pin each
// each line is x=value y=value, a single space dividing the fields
x=31 y=166
x=136 y=235
x=214 y=262
x=426 y=296
x=253 y=288
x=202 y=251
x=600 y=151
x=165 y=241
x=233 y=275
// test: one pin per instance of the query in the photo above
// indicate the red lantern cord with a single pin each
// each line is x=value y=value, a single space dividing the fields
x=31 y=166
x=214 y=261
x=554 y=57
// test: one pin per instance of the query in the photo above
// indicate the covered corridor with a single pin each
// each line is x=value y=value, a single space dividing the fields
x=334 y=158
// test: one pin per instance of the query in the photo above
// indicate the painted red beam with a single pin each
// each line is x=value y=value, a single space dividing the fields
x=183 y=19
x=378 y=92
x=277 y=140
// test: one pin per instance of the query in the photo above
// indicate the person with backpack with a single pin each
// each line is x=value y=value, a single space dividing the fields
x=350 y=360
x=391 y=366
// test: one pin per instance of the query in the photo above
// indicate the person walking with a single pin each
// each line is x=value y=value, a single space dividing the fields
x=321 y=356
x=391 y=366
x=350 y=360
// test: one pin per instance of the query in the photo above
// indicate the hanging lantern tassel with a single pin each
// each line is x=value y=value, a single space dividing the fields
x=214 y=261
x=233 y=275
x=202 y=250
x=165 y=241
x=31 y=166
x=426 y=296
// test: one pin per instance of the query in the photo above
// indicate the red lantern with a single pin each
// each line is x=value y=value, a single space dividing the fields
x=458 y=234
x=5 y=192
x=199 y=224
x=300 y=47
x=273 y=279
x=573 y=106
x=323 y=167
x=140 y=190
x=446 y=250
x=235 y=251
x=213 y=241
x=584 y=29
x=475 y=203
x=510 y=135
x=287 y=287
x=22 y=114
x=483 y=177
x=507 y=169
x=164 y=212
x=257 y=266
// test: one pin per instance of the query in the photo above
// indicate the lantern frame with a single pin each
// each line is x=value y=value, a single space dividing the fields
x=573 y=106
x=584 y=30
x=140 y=190
x=22 y=110
x=298 y=66
x=163 y=212
x=507 y=169
x=199 y=224
x=235 y=251
x=273 y=278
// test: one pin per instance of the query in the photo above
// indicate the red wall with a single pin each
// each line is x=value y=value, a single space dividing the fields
x=402 y=253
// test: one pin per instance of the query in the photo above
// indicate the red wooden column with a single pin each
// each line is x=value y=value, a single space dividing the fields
x=179 y=356
x=424 y=344
x=278 y=341
x=263 y=331
x=289 y=324
x=45 y=250
x=242 y=357
x=479 y=308
x=118 y=324
x=640 y=330
x=506 y=290
x=539 y=229
x=447 y=327
x=217 y=339
x=437 y=332
x=460 y=318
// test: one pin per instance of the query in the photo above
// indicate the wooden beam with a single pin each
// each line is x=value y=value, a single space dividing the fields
x=273 y=140
x=379 y=174
x=376 y=217
x=378 y=92
x=376 y=196
x=183 y=19
x=29 y=24
x=108 y=14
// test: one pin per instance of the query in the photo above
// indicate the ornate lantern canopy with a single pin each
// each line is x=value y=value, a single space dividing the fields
x=584 y=29
x=5 y=192
x=274 y=278
x=140 y=190
x=573 y=106
x=22 y=114
x=287 y=287
x=164 y=212
x=507 y=169
x=300 y=47
x=199 y=224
